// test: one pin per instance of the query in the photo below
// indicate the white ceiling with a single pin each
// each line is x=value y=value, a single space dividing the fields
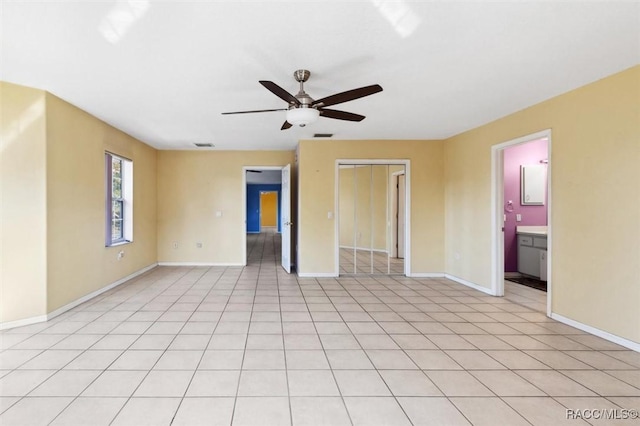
x=164 y=71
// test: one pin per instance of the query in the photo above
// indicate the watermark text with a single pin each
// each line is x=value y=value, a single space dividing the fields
x=602 y=413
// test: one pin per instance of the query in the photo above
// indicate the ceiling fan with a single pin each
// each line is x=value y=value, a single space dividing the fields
x=303 y=110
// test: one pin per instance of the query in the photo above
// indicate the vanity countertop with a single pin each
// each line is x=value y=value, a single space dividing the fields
x=532 y=230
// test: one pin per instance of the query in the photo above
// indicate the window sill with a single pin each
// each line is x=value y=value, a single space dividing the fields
x=119 y=243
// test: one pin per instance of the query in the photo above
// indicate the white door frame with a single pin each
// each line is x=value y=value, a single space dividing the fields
x=497 y=213
x=407 y=218
x=285 y=218
x=277 y=207
x=244 y=205
x=394 y=221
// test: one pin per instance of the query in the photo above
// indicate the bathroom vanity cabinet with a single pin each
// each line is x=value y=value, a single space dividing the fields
x=530 y=252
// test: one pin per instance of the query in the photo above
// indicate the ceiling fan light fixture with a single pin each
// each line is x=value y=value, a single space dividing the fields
x=302 y=116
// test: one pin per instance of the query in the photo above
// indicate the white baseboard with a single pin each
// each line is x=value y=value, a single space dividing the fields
x=597 y=332
x=22 y=322
x=317 y=275
x=199 y=264
x=68 y=306
x=470 y=284
x=427 y=275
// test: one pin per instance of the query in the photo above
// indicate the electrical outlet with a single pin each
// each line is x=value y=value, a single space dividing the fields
x=175 y=245
x=518 y=218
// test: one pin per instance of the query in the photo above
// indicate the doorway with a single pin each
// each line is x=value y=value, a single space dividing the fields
x=266 y=192
x=528 y=244
x=372 y=217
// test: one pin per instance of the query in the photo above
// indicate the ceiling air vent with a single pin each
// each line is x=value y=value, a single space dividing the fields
x=322 y=135
x=204 y=145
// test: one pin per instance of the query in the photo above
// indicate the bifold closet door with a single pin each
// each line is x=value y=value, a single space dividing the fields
x=364 y=219
x=346 y=217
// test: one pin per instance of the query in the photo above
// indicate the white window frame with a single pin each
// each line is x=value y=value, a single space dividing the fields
x=127 y=200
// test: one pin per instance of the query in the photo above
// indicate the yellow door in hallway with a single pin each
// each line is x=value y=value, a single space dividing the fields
x=268 y=209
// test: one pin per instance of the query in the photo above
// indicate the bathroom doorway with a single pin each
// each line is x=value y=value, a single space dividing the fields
x=521 y=228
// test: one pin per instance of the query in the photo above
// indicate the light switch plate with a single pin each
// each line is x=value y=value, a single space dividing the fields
x=518 y=218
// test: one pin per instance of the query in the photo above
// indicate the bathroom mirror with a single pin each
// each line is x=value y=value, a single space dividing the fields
x=533 y=183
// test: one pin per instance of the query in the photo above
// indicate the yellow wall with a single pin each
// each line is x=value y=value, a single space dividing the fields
x=79 y=262
x=595 y=217
x=316 y=182
x=23 y=224
x=53 y=211
x=269 y=209
x=192 y=187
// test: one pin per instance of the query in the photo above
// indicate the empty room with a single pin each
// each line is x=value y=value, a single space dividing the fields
x=319 y=213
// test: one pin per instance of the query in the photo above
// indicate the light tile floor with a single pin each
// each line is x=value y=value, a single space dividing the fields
x=253 y=345
x=526 y=296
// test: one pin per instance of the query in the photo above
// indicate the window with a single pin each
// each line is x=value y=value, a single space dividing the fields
x=118 y=200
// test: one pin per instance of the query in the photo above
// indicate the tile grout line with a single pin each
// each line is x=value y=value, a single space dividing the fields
x=324 y=351
x=195 y=371
x=163 y=351
x=96 y=378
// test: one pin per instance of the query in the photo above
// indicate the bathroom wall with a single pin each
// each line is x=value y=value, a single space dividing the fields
x=526 y=154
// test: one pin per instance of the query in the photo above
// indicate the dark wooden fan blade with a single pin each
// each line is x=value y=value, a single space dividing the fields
x=347 y=96
x=341 y=115
x=286 y=125
x=251 y=112
x=280 y=92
